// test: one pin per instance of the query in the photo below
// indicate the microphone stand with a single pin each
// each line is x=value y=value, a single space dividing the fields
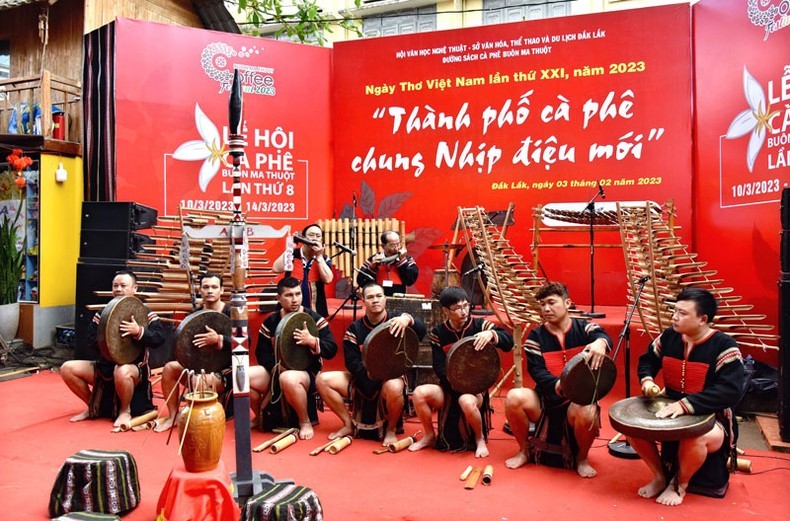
x=352 y=296
x=472 y=310
x=591 y=208
x=620 y=447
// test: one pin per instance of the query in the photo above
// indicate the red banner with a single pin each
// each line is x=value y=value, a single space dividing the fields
x=742 y=141
x=172 y=89
x=532 y=113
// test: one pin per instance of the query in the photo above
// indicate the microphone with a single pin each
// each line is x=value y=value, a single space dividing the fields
x=344 y=248
x=600 y=190
x=301 y=240
x=644 y=279
x=475 y=269
x=354 y=199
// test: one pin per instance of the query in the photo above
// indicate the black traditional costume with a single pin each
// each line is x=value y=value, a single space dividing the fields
x=365 y=394
x=454 y=433
x=547 y=353
x=277 y=412
x=709 y=378
x=393 y=278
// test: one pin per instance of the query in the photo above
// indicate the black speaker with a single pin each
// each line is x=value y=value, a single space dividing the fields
x=784 y=251
x=784 y=357
x=117 y=216
x=91 y=276
x=785 y=210
x=111 y=244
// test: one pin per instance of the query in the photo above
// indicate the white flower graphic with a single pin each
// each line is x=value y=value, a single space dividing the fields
x=755 y=119
x=210 y=149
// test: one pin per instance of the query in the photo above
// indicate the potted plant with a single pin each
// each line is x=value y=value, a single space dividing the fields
x=11 y=241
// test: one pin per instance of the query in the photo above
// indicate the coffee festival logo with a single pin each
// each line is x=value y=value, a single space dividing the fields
x=218 y=64
x=772 y=16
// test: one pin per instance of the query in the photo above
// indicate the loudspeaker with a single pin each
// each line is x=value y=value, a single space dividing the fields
x=111 y=244
x=91 y=276
x=117 y=216
x=785 y=210
x=784 y=251
x=784 y=357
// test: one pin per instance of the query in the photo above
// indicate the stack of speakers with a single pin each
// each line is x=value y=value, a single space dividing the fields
x=784 y=321
x=108 y=238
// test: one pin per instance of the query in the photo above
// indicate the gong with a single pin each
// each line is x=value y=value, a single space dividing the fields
x=582 y=385
x=112 y=345
x=636 y=417
x=386 y=356
x=470 y=371
x=209 y=358
x=290 y=354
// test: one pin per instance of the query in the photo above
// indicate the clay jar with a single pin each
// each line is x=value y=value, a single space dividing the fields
x=202 y=445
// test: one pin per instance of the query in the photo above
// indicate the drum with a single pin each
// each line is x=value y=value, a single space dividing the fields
x=290 y=354
x=440 y=281
x=471 y=371
x=208 y=358
x=584 y=386
x=113 y=346
x=386 y=356
x=636 y=417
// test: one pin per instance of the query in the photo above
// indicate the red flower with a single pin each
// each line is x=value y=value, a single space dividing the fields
x=19 y=162
x=20 y=181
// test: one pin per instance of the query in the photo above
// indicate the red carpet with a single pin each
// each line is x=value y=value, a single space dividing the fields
x=36 y=437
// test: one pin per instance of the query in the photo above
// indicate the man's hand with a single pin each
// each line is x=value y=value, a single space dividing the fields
x=597 y=352
x=130 y=328
x=208 y=339
x=399 y=324
x=303 y=337
x=484 y=338
x=672 y=410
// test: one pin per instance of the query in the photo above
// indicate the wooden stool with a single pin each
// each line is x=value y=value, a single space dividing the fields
x=96 y=481
x=282 y=502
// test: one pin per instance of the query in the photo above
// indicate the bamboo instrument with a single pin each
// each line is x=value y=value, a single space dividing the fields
x=466 y=472
x=266 y=444
x=488 y=473
x=322 y=448
x=283 y=443
x=471 y=480
x=339 y=444
x=139 y=420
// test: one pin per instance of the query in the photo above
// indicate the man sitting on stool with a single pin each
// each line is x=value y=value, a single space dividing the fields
x=297 y=387
x=130 y=385
x=211 y=295
x=703 y=371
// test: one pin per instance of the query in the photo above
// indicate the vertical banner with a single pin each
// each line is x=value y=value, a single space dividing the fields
x=172 y=92
x=531 y=113
x=742 y=145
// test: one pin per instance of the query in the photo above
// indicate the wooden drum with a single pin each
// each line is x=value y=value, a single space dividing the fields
x=112 y=345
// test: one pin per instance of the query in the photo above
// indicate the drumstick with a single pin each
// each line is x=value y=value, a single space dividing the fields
x=322 y=448
x=471 y=481
x=382 y=451
x=266 y=444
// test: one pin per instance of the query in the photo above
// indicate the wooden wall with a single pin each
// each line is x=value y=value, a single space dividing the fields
x=174 y=12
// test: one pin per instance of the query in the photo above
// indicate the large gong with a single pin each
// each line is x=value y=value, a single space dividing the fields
x=582 y=385
x=112 y=345
x=209 y=358
x=636 y=417
x=386 y=356
x=290 y=354
x=471 y=371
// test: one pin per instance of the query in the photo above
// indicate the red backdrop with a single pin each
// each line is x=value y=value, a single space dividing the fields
x=530 y=112
x=738 y=66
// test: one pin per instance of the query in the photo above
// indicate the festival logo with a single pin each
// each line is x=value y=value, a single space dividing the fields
x=217 y=61
x=210 y=149
x=773 y=17
x=754 y=120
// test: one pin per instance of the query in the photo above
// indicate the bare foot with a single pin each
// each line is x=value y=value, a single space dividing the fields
x=345 y=430
x=305 y=431
x=84 y=415
x=426 y=441
x=165 y=424
x=585 y=470
x=482 y=449
x=672 y=496
x=519 y=460
x=389 y=438
x=122 y=418
x=254 y=422
x=653 y=488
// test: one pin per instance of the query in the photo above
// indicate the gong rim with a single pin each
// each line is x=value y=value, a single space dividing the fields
x=470 y=371
x=579 y=383
x=635 y=417
x=385 y=356
x=291 y=355
x=112 y=346
x=207 y=359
